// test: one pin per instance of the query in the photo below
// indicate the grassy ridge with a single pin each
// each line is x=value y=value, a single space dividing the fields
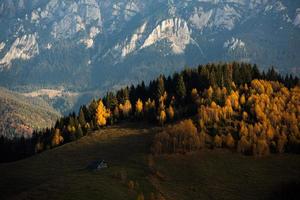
x=60 y=173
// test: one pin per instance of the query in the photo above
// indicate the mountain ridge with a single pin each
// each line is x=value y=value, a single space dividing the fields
x=99 y=39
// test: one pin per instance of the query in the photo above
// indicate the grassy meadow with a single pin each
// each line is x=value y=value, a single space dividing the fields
x=61 y=173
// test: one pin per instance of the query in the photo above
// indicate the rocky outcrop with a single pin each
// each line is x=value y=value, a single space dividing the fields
x=200 y=18
x=175 y=30
x=226 y=17
x=297 y=18
x=23 y=48
x=131 y=45
x=234 y=44
x=69 y=17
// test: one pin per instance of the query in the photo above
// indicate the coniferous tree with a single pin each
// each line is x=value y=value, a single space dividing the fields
x=81 y=118
x=160 y=87
x=79 y=132
x=180 y=88
x=110 y=101
x=102 y=114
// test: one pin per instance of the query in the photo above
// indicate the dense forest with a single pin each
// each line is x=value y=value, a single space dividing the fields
x=231 y=105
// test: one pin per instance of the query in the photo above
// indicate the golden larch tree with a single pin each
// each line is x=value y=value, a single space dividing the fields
x=102 y=114
x=170 y=112
x=139 y=107
x=126 y=108
x=57 y=139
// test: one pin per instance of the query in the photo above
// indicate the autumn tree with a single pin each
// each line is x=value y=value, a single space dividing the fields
x=102 y=114
x=125 y=108
x=140 y=196
x=170 y=112
x=218 y=141
x=162 y=117
x=57 y=138
x=229 y=141
x=139 y=107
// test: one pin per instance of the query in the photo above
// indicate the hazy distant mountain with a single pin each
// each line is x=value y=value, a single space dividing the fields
x=102 y=43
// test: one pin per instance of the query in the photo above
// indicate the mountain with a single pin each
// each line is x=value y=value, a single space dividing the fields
x=84 y=44
x=20 y=115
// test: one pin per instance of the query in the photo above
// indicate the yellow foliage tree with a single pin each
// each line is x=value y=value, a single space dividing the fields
x=245 y=115
x=57 y=139
x=140 y=196
x=243 y=99
x=194 y=95
x=139 y=107
x=162 y=117
x=170 y=112
x=149 y=105
x=210 y=92
x=229 y=141
x=126 y=108
x=218 y=141
x=102 y=114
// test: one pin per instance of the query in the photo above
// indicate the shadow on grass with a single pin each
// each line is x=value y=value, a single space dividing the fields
x=287 y=191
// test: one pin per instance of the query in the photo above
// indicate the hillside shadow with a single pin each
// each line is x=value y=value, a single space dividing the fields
x=286 y=191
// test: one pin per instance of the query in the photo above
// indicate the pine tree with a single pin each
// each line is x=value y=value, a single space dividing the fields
x=81 y=118
x=111 y=101
x=79 y=132
x=93 y=107
x=160 y=87
x=180 y=88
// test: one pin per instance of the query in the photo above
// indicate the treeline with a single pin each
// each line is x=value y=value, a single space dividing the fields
x=256 y=119
x=163 y=100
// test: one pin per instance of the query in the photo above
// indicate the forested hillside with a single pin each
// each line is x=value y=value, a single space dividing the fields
x=21 y=115
x=230 y=105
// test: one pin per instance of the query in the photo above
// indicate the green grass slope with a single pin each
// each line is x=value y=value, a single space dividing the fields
x=21 y=115
x=210 y=174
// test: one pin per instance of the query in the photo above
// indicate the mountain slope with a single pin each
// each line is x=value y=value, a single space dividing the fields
x=93 y=43
x=20 y=115
x=61 y=173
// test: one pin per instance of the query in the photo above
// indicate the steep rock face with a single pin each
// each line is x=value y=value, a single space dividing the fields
x=175 y=30
x=23 y=48
x=131 y=9
x=67 y=27
x=68 y=17
x=131 y=45
x=90 y=11
x=200 y=18
x=234 y=44
x=297 y=18
x=226 y=17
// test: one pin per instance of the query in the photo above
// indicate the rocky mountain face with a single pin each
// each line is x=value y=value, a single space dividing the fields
x=84 y=44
